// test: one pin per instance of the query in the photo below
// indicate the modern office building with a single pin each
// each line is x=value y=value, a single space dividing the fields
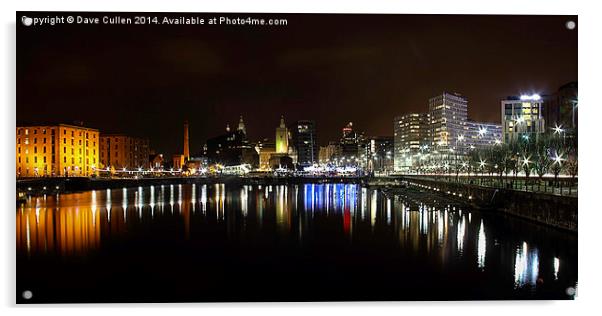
x=560 y=109
x=304 y=140
x=480 y=135
x=411 y=136
x=522 y=118
x=380 y=153
x=350 y=144
x=448 y=114
x=56 y=150
x=121 y=151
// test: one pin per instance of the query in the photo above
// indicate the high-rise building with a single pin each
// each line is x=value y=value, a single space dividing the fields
x=56 y=150
x=480 y=135
x=304 y=139
x=121 y=151
x=380 y=153
x=560 y=108
x=412 y=135
x=282 y=138
x=350 y=144
x=522 y=117
x=449 y=113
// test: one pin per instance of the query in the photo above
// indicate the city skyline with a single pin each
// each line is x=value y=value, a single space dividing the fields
x=321 y=73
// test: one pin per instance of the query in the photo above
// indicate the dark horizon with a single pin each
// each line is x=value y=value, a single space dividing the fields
x=331 y=68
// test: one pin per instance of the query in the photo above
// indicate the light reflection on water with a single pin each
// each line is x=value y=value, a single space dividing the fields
x=78 y=223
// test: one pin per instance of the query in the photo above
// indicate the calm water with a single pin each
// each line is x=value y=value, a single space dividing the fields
x=272 y=243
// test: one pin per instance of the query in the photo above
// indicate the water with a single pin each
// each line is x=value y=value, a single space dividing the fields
x=217 y=242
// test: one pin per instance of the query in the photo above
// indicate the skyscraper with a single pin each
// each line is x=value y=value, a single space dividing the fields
x=560 y=108
x=449 y=113
x=350 y=142
x=303 y=136
x=412 y=135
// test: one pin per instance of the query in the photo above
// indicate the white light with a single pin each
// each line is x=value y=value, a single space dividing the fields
x=533 y=97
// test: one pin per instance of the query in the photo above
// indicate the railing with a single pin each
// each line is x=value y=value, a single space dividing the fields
x=561 y=186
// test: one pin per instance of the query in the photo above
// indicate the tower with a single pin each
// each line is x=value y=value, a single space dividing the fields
x=186 y=148
x=241 y=126
x=281 y=138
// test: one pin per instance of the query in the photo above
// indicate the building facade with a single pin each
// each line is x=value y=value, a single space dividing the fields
x=411 y=136
x=121 y=151
x=560 y=109
x=282 y=137
x=522 y=118
x=231 y=149
x=481 y=135
x=304 y=139
x=448 y=114
x=328 y=152
x=56 y=150
x=380 y=153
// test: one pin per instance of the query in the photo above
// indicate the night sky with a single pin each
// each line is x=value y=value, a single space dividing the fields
x=146 y=80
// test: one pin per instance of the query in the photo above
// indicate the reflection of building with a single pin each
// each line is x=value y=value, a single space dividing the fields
x=522 y=117
x=231 y=148
x=449 y=112
x=304 y=140
x=412 y=135
x=481 y=134
x=56 y=150
x=560 y=108
x=121 y=151
x=380 y=153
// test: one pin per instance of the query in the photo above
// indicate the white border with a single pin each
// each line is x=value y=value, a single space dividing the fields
x=591 y=111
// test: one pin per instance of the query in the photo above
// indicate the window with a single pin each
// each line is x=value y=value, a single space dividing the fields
x=65 y=159
x=64 y=141
x=35 y=150
x=35 y=140
x=44 y=140
x=44 y=159
x=44 y=149
x=64 y=150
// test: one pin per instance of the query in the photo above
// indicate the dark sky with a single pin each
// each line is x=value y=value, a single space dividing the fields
x=146 y=80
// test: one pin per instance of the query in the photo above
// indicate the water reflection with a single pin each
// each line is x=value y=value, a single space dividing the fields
x=526 y=267
x=77 y=224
